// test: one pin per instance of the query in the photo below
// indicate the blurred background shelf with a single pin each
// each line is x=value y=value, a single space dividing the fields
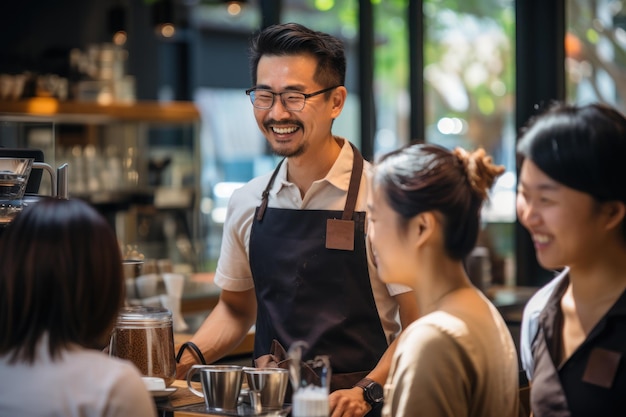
x=81 y=111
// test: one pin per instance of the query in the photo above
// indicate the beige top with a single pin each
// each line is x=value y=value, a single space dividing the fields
x=453 y=365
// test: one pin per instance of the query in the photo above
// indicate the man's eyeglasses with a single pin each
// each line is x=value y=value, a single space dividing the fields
x=292 y=100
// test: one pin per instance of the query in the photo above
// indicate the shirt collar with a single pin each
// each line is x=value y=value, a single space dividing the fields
x=338 y=175
x=553 y=307
x=341 y=171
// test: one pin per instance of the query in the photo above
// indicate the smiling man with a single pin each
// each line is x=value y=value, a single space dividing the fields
x=294 y=260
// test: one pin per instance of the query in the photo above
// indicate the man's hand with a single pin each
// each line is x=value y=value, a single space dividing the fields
x=348 y=403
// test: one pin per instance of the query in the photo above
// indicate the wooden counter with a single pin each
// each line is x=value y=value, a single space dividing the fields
x=201 y=295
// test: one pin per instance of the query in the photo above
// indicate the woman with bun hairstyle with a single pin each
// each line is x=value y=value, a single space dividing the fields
x=572 y=200
x=458 y=359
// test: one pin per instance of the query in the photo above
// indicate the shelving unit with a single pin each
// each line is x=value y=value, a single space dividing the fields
x=138 y=163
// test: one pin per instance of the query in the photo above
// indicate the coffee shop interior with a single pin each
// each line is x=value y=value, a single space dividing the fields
x=144 y=101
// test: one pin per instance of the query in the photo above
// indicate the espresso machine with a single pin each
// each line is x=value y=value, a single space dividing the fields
x=20 y=175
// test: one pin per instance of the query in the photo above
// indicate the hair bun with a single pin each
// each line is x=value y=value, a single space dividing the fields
x=481 y=172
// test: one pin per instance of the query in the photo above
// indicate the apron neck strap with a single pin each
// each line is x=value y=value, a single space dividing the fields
x=353 y=188
x=355 y=182
x=266 y=192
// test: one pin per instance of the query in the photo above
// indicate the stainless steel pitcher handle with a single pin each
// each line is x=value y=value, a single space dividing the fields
x=53 y=176
x=58 y=179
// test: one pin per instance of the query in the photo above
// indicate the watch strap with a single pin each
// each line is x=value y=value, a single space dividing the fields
x=364 y=383
x=369 y=385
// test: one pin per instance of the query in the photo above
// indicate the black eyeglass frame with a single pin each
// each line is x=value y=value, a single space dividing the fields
x=249 y=92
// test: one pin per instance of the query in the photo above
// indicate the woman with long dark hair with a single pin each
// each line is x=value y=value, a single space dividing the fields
x=61 y=287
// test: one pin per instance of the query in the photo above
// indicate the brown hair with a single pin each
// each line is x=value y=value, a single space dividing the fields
x=60 y=275
x=426 y=177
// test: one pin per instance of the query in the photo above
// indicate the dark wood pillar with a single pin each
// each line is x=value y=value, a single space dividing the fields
x=415 y=19
x=540 y=61
x=270 y=12
x=366 y=78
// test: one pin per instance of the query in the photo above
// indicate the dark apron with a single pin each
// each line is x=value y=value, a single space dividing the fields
x=308 y=292
x=591 y=380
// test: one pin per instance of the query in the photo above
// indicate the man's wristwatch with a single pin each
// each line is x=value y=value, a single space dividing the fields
x=372 y=391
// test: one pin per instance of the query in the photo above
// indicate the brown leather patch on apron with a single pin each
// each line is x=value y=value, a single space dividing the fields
x=602 y=367
x=340 y=234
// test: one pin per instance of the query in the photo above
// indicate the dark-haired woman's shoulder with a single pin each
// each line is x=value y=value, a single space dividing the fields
x=532 y=310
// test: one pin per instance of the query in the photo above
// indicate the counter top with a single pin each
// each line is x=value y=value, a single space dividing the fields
x=504 y=296
x=510 y=301
x=200 y=294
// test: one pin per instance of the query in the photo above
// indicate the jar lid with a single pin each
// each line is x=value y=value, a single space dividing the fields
x=144 y=316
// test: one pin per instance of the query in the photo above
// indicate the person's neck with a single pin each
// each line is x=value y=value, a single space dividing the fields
x=599 y=281
x=438 y=279
x=593 y=289
x=313 y=165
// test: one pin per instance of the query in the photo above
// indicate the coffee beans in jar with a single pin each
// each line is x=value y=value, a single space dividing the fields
x=144 y=336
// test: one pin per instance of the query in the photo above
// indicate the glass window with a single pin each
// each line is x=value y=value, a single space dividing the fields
x=391 y=75
x=469 y=76
x=595 y=47
x=339 y=18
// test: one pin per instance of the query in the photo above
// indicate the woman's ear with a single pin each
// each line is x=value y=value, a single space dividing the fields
x=423 y=227
x=615 y=212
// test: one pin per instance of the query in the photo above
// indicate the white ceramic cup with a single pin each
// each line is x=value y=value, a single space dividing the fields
x=146 y=285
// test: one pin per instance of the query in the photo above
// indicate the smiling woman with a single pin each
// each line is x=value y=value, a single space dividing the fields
x=572 y=200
